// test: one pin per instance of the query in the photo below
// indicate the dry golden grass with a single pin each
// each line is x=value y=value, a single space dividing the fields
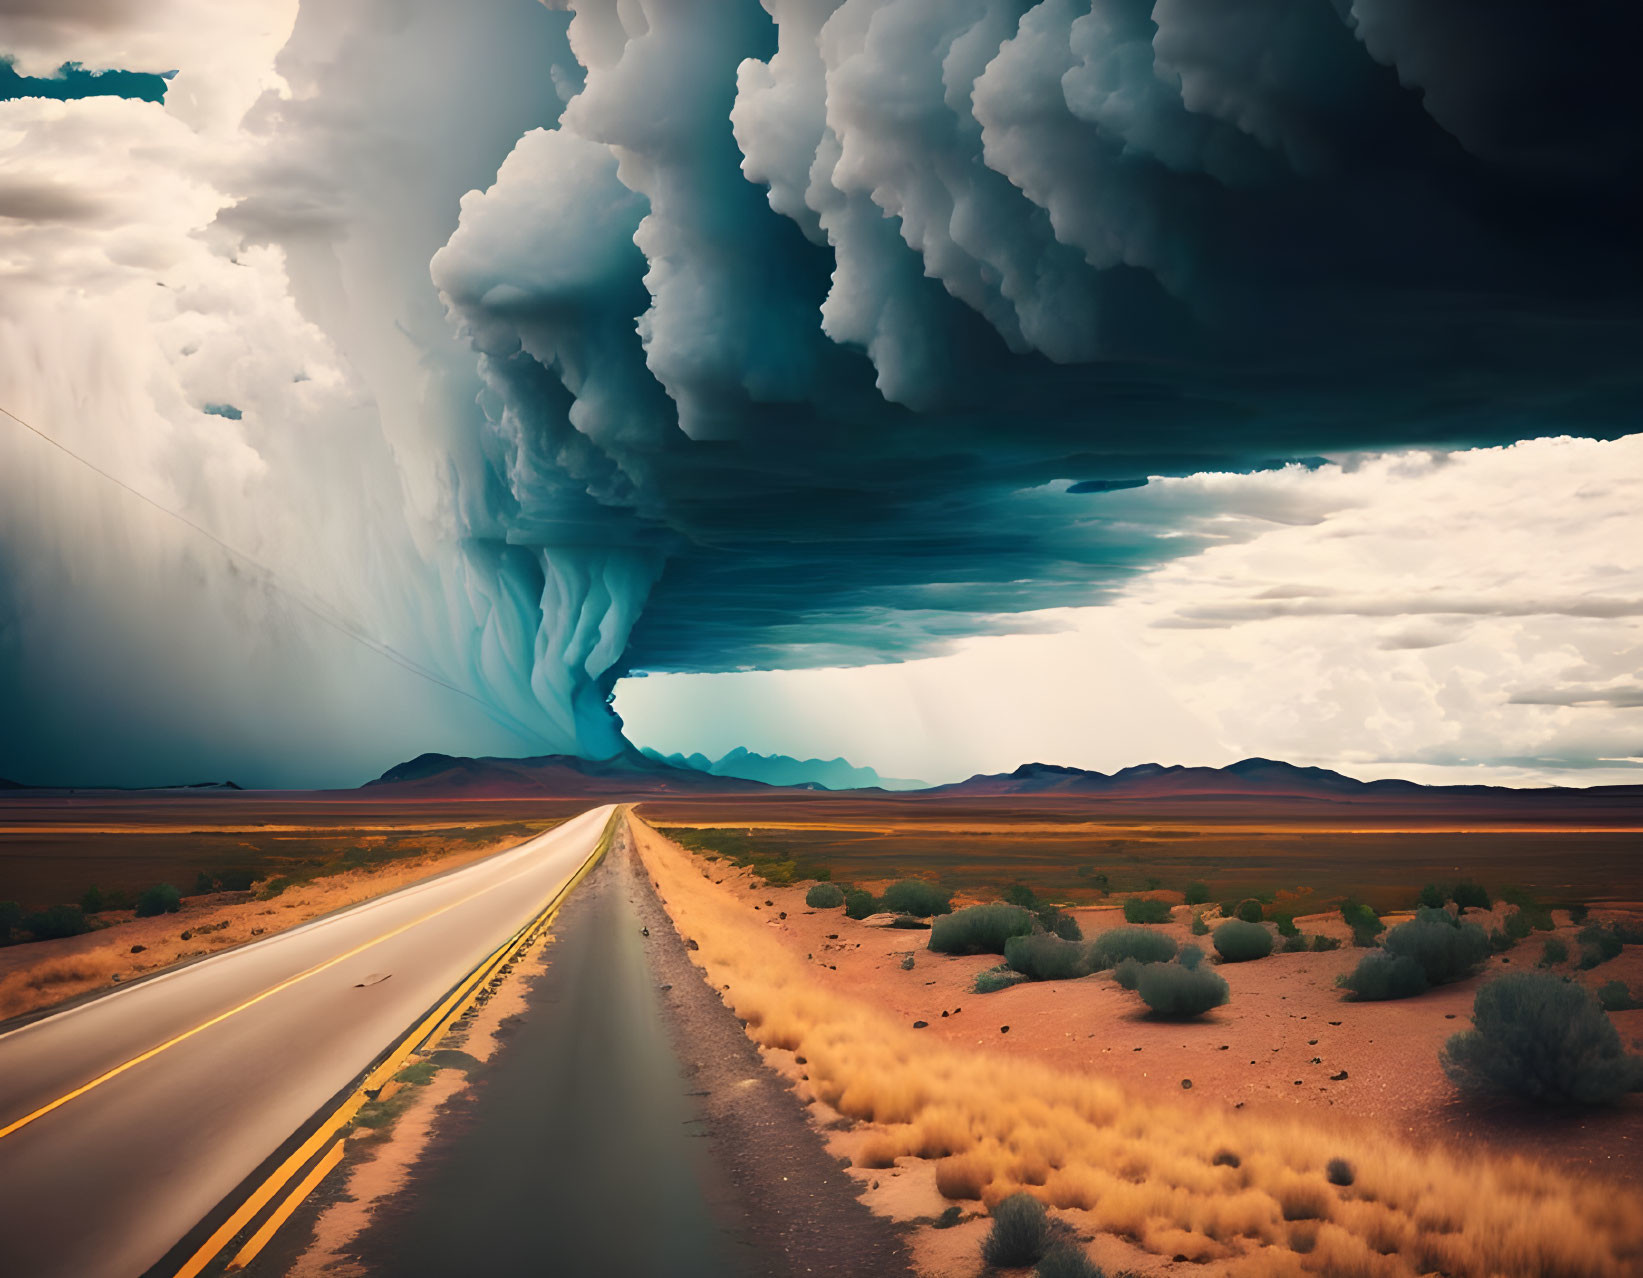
x=1142 y=1169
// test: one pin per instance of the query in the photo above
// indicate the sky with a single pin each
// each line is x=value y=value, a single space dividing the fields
x=940 y=383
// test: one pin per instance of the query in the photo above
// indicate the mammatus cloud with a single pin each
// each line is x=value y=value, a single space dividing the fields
x=831 y=331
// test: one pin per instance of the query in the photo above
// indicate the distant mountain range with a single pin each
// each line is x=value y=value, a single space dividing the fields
x=1248 y=778
x=551 y=774
x=784 y=770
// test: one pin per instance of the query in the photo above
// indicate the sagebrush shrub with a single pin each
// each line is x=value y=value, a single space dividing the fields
x=1067 y=1261
x=1537 y=1036
x=1238 y=941
x=997 y=978
x=1446 y=948
x=981 y=929
x=1616 y=996
x=1553 y=952
x=921 y=900
x=1366 y=925
x=56 y=922
x=1383 y=975
x=1116 y=944
x=1294 y=944
x=1199 y=927
x=1321 y=943
x=824 y=896
x=1128 y=973
x=1065 y=926
x=1468 y=895
x=1249 y=910
x=859 y=903
x=1190 y=957
x=1020 y=1234
x=1197 y=893
x=1143 y=909
x=1517 y=925
x=162 y=898
x=1174 y=991
x=1043 y=957
x=1286 y=925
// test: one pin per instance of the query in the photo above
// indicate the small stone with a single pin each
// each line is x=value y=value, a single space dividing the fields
x=1186 y=1084
x=800 y=1060
x=782 y=915
x=1448 y=1016
x=1317 y=1060
x=1334 y=1022
x=1297 y=1082
x=1005 y=1029
x=186 y=936
x=1311 y=1042
x=1336 y=1078
x=944 y=1015
x=1225 y=1046
x=920 y=1024
x=138 y=949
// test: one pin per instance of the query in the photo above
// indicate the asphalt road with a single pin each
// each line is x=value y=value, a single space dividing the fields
x=106 y=1183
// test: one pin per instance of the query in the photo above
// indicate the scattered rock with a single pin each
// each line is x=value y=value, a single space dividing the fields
x=921 y=1024
x=1334 y=1022
x=1336 y=1078
x=1186 y=1084
x=644 y=931
x=1448 y=1016
x=944 y=1014
x=138 y=949
x=691 y=945
x=1005 y=1029
x=1317 y=1060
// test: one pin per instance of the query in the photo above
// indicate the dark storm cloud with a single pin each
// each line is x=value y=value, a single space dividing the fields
x=820 y=306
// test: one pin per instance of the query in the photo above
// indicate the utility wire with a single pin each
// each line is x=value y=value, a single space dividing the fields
x=325 y=612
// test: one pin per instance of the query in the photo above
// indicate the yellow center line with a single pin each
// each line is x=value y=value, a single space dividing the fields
x=187 y=1034
x=271 y=1226
x=429 y=1030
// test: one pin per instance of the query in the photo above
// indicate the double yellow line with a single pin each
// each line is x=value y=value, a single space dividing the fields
x=428 y=1031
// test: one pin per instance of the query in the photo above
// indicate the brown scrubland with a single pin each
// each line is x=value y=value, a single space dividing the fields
x=1212 y=1147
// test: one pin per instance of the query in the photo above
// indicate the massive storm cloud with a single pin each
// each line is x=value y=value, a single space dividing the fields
x=821 y=331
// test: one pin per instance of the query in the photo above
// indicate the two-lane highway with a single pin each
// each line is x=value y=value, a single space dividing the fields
x=126 y=1120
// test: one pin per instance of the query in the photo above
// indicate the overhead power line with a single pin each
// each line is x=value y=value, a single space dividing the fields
x=320 y=609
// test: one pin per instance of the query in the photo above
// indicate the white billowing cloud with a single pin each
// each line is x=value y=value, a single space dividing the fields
x=140 y=332
x=1475 y=616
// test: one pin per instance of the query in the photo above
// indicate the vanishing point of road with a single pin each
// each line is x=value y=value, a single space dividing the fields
x=127 y=1120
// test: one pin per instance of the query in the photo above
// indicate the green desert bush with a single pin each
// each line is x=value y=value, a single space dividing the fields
x=1499 y=942
x=1366 y=925
x=1542 y=1038
x=1286 y=925
x=824 y=896
x=1065 y=926
x=1435 y=948
x=11 y=921
x=1249 y=910
x=56 y=922
x=1199 y=927
x=1022 y=895
x=1144 y=909
x=1446 y=948
x=1128 y=973
x=1197 y=893
x=859 y=903
x=1042 y=957
x=1295 y=944
x=1432 y=895
x=92 y=901
x=1065 y=1260
x=1141 y=944
x=1381 y=975
x=1616 y=996
x=162 y=898
x=1578 y=912
x=1598 y=944
x=981 y=929
x=1177 y=992
x=921 y=900
x=1517 y=925
x=1553 y=952
x=1190 y=957
x=1020 y=1234
x=1468 y=895
x=1322 y=943
x=1238 y=941
x=997 y=978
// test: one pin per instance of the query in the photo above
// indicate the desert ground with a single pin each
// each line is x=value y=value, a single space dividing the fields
x=941 y=1097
